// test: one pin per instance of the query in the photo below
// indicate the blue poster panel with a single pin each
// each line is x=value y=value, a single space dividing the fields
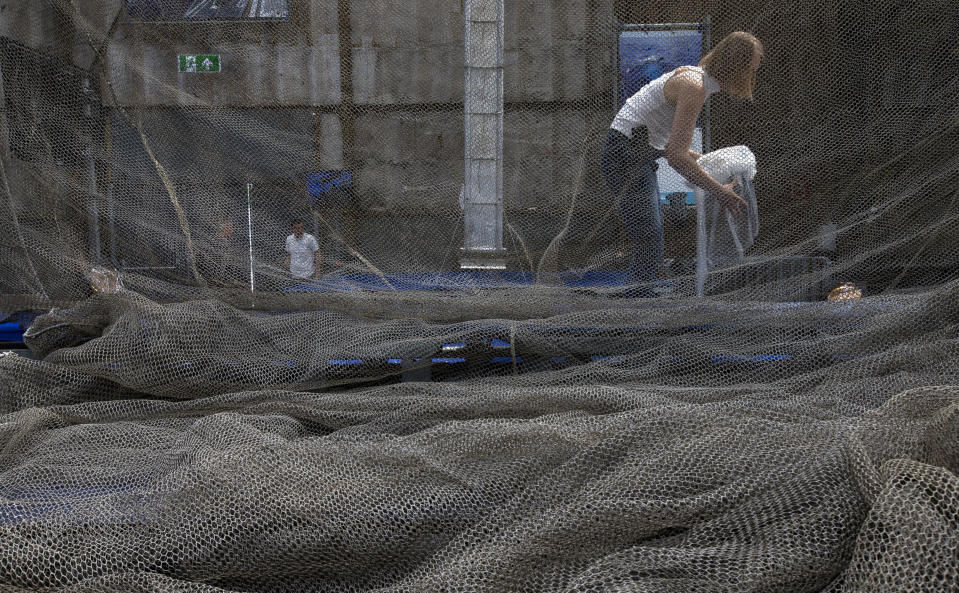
x=647 y=55
x=187 y=10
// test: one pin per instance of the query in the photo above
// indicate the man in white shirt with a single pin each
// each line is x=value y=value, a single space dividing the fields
x=303 y=253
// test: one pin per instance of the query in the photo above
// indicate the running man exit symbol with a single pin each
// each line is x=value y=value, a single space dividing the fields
x=202 y=63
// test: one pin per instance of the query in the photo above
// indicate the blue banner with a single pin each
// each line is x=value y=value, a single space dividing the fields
x=177 y=10
x=646 y=55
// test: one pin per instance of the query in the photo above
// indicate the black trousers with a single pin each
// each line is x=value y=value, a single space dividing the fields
x=629 y=169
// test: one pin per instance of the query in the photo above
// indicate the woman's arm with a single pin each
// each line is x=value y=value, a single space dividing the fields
x=690 y=97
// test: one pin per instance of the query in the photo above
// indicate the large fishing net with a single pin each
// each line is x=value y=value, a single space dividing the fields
x=462 y=397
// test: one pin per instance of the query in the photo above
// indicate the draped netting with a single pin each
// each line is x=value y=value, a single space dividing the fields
x=432 y=413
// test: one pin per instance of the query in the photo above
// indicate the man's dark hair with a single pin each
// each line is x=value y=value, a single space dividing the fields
x=296 y=221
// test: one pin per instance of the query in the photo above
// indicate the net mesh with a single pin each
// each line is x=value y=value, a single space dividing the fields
x=464 y=392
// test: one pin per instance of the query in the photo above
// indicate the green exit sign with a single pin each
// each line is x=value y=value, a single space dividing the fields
x=199 y=63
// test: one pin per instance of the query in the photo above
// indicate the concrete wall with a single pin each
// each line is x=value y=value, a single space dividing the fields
x=409 y=160
x=145 y=74
x=407 y=52
x=412 y=52
x=70 y=30
x=31 y=23
x=414 y=160
x=401 y=128
x=47 y=195
x=558 y=50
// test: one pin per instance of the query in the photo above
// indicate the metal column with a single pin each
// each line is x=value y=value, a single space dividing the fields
x=702 y=265
x=483 y=102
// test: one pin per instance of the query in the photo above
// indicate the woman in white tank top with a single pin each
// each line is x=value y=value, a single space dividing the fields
x=659 y=120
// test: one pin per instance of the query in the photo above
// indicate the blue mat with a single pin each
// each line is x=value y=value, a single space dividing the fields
x=78 y=504
x=462 y=280
x=11 y=332
x=13 y=326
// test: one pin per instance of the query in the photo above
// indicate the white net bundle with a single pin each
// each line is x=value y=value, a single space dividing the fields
x=456 y=382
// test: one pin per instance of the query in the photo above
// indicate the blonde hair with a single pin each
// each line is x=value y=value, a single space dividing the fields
x=729 y=62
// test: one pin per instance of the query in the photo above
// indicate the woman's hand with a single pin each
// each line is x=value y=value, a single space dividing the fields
x=730 y=200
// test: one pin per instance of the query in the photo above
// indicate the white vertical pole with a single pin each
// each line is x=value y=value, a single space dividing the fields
x=701 y=264
x=249 y=227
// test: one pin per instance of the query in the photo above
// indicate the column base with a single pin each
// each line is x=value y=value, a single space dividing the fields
x=482 y=259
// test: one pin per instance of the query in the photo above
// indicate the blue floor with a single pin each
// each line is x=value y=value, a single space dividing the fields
x=78 y=504
x=11 y=332
x=13 y=326
x=462 y=280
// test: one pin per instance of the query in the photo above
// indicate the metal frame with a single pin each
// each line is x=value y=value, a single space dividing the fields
x=705 y=27
x=702 y=266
